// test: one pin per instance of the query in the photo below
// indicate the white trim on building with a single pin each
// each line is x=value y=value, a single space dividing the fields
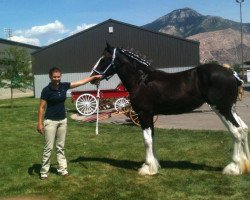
x=41 y=81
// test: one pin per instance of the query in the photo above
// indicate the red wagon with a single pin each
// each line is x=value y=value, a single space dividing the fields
x=86 y=102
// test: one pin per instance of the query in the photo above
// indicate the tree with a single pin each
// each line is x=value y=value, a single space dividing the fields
x=16 y=71
x=237 y=68
x=213 y=62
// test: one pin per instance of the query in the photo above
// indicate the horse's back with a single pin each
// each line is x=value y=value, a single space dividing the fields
x=171 y=93
x=215 y=75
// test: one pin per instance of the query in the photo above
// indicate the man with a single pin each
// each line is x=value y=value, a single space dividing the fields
x=54 y=127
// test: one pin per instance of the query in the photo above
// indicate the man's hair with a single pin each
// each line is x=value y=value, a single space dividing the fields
x=54 y=69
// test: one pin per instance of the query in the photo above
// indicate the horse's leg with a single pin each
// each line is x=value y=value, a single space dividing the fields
x=244 y=131
x=151 y=165
x=240 y=161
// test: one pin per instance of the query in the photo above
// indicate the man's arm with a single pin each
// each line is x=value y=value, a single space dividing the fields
x=42 y=105
x=84 y=81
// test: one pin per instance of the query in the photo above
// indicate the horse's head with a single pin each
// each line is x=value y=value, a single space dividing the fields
x=105 y=65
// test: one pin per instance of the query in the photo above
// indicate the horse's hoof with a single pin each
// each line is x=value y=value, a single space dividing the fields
x=246 y=166
x=145 y=170
x=232 y=169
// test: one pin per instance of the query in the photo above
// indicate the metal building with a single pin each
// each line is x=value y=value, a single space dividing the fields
x=4 y=44
x=77 y=54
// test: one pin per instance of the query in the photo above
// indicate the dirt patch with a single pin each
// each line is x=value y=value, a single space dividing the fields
x=26 y=198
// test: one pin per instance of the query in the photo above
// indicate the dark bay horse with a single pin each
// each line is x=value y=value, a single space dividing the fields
x=154 y=92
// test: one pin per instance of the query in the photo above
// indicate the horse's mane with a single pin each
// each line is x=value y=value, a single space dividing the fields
x=142 y=63
x=142 y=67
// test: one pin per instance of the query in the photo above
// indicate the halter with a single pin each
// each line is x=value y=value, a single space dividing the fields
x=110 y=65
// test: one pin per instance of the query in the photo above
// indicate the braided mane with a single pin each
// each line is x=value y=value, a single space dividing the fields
x=135 y=57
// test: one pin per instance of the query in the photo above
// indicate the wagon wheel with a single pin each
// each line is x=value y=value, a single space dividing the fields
x=120 y=104
x=135 y=119
x=155 y=118
x=86 y=104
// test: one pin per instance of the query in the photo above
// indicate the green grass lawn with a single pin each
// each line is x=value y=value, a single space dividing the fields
x=105 y=166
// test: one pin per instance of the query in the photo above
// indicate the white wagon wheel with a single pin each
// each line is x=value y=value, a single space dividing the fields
x=86 y=104
x=121 y=103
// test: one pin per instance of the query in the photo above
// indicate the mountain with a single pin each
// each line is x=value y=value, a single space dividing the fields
x=223 y=46
x=219 y=38
x=186 y=22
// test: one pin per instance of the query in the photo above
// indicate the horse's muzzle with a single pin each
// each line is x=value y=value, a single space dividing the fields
x=95 y=82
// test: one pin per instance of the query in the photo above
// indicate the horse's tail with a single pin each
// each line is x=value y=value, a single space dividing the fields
x=240 y=83
x=238 y=79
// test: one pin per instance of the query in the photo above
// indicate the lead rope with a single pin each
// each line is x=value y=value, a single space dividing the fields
x=98 y=95
x=97 y=111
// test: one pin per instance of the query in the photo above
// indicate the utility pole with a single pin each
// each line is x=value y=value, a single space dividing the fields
x=241 y=37
x=8 y=33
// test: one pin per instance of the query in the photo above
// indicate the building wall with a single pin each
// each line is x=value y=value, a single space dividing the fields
x=43 y=80
x=76 y=55
x=4 y=44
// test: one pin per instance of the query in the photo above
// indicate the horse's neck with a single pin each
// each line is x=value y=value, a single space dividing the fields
x=130 y=72
x=128 y=77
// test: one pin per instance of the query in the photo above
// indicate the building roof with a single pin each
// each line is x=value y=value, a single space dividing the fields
x=10 y=42
x=117 y=22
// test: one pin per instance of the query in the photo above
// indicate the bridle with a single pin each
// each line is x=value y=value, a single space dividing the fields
x=112 y=64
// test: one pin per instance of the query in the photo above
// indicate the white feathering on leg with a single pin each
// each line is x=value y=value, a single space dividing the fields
x=240 y=160
x=151 y=165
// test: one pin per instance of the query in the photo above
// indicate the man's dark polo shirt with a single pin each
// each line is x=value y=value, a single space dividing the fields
x=55 y=99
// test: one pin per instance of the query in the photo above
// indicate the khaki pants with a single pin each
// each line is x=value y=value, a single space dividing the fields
x=55 y=132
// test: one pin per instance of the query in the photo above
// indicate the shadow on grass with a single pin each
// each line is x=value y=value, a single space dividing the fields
x=35 y=169
x=128 y=164
x=16 y=106
x=187 y=165
x=71 y=110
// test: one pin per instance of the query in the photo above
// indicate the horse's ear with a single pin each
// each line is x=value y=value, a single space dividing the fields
x=109 y=48
x=108 y=45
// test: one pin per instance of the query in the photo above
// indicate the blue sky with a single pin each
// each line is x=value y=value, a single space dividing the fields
x=42 y=22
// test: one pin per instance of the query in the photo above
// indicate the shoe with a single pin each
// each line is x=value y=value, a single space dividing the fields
x=64 y=173
x=43 y=176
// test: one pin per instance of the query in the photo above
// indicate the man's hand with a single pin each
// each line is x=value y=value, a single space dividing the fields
x=96 y=79
x=40 y=128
